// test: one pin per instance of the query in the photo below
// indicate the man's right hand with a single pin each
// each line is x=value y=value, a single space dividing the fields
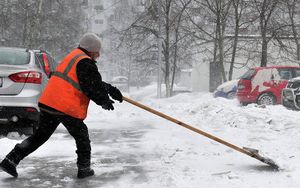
x=107 y=105
x=115 y=93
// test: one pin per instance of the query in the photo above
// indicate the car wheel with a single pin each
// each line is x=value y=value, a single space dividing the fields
x=231 y=95
x=266 y=99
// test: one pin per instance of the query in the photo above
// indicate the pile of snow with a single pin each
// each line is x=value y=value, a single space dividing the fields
x=182 y=158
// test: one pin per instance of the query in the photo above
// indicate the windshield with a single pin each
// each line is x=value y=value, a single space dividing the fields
x=13 y=57
x=249 y=74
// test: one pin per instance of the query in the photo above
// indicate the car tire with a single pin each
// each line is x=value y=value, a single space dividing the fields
x=266 y=99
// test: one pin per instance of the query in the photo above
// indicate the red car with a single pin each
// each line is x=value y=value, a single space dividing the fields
x=263 y=85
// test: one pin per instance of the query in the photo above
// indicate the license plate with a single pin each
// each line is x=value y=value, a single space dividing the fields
x=1 y=82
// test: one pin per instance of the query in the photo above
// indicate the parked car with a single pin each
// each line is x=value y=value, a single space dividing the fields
x=22 y=79
x=121 y=82
x=227 y=89
x=263 y=85
x=291 y=94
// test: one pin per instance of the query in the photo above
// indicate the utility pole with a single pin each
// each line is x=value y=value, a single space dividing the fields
x=159 y=44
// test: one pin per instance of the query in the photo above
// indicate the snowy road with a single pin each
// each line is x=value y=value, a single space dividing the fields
x=132 y=148
x=111 y=164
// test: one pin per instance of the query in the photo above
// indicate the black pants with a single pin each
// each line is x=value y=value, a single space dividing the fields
x=48 y=124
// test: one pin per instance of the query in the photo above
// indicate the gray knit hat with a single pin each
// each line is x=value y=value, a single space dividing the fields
x=90 y=42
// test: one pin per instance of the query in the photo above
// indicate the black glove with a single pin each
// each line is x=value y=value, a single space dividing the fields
x=115 y=93
x=107 y=105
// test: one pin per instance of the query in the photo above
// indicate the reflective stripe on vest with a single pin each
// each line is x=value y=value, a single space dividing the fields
x=65 y=76
x=63 y=91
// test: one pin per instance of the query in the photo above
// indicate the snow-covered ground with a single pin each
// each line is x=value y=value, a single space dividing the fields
x=134 y=148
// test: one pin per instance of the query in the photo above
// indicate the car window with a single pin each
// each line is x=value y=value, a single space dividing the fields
x=249 y=74
x=39 y=61
x=122 y=80
x=13 y=57
x=297 y=72
x=39 y=57
x=285 y=73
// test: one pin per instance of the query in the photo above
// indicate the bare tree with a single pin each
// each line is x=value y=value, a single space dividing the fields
x=291 y=7
x=209 y=30
x=145 y=28
x=239 y=7
x=48 y=25
x=265 y=10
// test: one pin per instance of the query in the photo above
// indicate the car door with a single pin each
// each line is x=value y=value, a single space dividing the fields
x=45 y=77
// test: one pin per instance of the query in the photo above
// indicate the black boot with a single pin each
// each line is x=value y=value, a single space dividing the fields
x=9 y=167
x=85 y=172
x=11 y=161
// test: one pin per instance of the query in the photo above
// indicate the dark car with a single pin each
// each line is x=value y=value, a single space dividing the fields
x=291 y=94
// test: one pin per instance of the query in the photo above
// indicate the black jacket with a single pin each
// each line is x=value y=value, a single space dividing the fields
x=90 y=82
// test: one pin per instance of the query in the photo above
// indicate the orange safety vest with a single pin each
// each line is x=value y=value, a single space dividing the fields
x=63 y=91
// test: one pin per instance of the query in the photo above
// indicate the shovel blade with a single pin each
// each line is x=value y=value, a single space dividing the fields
x=255 y=154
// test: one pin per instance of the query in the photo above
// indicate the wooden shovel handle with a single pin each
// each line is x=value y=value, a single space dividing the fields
x=189 y=127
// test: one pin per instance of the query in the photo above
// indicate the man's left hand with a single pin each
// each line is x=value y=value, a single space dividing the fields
x=115 y=93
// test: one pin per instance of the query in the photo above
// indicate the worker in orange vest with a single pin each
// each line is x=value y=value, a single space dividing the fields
x=65 y=100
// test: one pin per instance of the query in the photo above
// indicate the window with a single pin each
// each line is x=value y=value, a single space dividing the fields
x=285 y=74
x=98 y=21
x=249 y=74
x=13 y=57
x=297 y=72
x=85 y=3
x=99 y=8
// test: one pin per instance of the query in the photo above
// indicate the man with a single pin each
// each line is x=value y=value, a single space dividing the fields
x=65 y=100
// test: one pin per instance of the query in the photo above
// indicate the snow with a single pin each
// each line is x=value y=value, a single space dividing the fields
x=264 y=76
x=134 y=148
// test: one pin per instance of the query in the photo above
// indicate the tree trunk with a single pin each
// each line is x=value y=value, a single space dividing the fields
x=215 y=78
x=264 y=51
x=167 y=51
x=235 y=42
x=235 y=39
x=294 y=29
x=221 y=51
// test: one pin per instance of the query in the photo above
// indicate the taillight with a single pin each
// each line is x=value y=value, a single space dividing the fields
x=46 y=64
x=27 y=77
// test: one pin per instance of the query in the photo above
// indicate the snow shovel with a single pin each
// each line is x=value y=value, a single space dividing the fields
x=248 y=151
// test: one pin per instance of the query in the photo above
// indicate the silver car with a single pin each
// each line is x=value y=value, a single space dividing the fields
x=22 y=79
